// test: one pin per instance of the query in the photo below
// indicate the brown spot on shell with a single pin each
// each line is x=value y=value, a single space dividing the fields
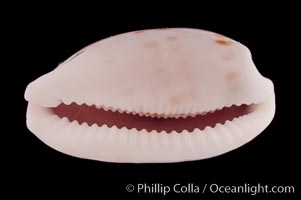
x=223 y=42
x=159 y=69
x=184 y=62
x=227 y=56
x=162 y=75
x=175 y=49
x=138 y=32
x=106 y=60
x=150 y=45
x=181 y=98
x=231 y=76
x=172 y=38
x=165 y=83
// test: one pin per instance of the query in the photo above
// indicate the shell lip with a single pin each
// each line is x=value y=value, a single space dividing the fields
x=99 y=143
x=54 y=102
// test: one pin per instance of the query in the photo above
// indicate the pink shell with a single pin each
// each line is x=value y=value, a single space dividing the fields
x=166 y=73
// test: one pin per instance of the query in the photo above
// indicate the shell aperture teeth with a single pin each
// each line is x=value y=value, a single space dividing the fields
x=109 y=116
x=164 y=115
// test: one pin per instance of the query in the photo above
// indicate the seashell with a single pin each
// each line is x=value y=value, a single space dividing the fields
x=152 y=96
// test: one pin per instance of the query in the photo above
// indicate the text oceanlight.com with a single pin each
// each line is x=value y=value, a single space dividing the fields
x=193 y=188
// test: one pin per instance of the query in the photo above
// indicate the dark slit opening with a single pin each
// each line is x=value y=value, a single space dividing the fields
x=91 y=115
